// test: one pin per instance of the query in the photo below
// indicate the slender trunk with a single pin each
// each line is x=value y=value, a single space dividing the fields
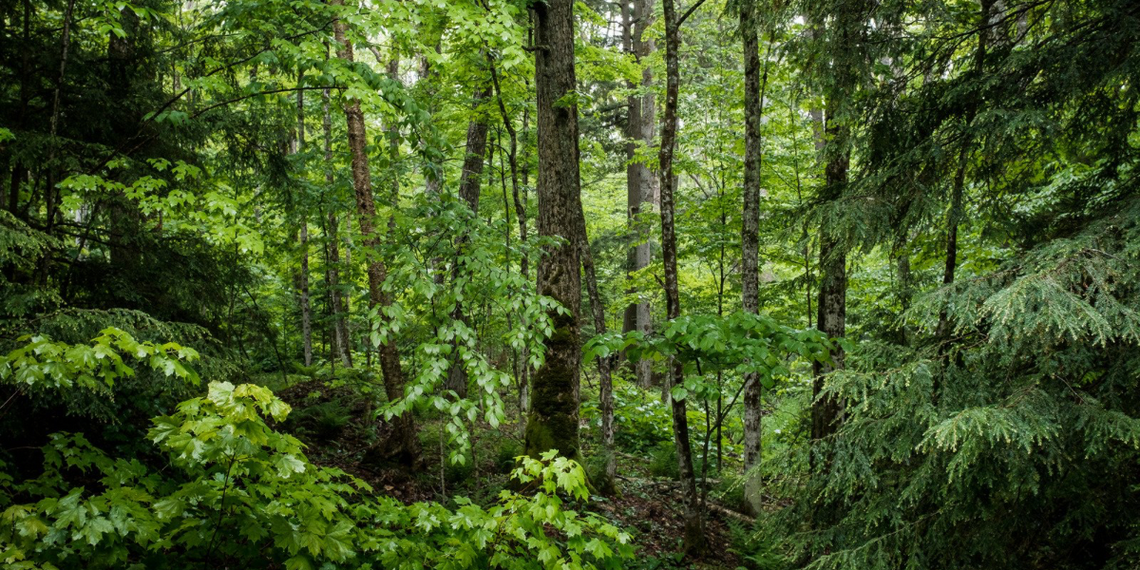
x=755 y=87
x=831 y=316
x=953 y=219
x=19 y=171
x=553 y=419
x=520 y=213
x=632 y=182
x=954 y=215
x=469 y=189
x=511 y=292
x=633 y=187
x=905 y=290
x=51 y=193
x=695 y=541
x=4 y=189
x=607 y=484
x=18 y=175
x=405 y=446
x=831 y=303
x=432 y=171
x=306 y=310
x=65 y=45
x=750 y=228
x=341 y=345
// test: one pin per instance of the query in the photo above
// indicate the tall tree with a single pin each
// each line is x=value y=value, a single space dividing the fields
x=341 y=346
x=842 y=41
x=607 y=484
x=303 y=238
x=553 y=419
x=404 y=445
x=986 y=24
x=755 y=85
x=695 y=541
x=519 y=200
x=641 y=184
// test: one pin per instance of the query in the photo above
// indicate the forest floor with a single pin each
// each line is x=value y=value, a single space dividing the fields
x=332 y=422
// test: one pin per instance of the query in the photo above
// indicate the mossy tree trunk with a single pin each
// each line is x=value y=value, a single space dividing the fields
x=553 y=419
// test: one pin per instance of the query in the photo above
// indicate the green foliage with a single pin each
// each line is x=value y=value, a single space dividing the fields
x=742 y=343
x=426 y=313
x=506 y=453
x=986 y=438
x=21 y=248
x=44 y=364
x=642 y=420
x=323 y=421
x=663 y=461
x=171 y=181
x=240 y=483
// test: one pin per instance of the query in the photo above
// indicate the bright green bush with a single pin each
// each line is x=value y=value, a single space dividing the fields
x=243 y=494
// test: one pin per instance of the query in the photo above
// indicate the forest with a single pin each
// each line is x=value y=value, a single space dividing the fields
x=570 y=284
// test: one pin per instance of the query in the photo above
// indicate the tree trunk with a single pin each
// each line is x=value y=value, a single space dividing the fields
x=18 y=175
x=607 y=484
x=695 y=542
x=341 y=345
x=306 y=310
x=553 y=419
x=755 y=85
x=832 y=301
x=641 y=184
x=986 y=36
x=469 y=189
x=632 y=184
x=520 y=213
x=404 y=446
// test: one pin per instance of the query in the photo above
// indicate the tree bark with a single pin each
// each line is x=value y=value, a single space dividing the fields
x=341 y=345
x=832 y=312
x=831 y=302
x=641 y=184
x=755 y=85
x=51 y=193
x=553 y=419
x=694 y=539
x=306 y=309
x=405 y=445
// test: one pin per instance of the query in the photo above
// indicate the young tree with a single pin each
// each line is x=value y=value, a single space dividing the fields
x=695 y=541
x=404 y=445
x=303 y=238
x=341 y=342
x=469 y=189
